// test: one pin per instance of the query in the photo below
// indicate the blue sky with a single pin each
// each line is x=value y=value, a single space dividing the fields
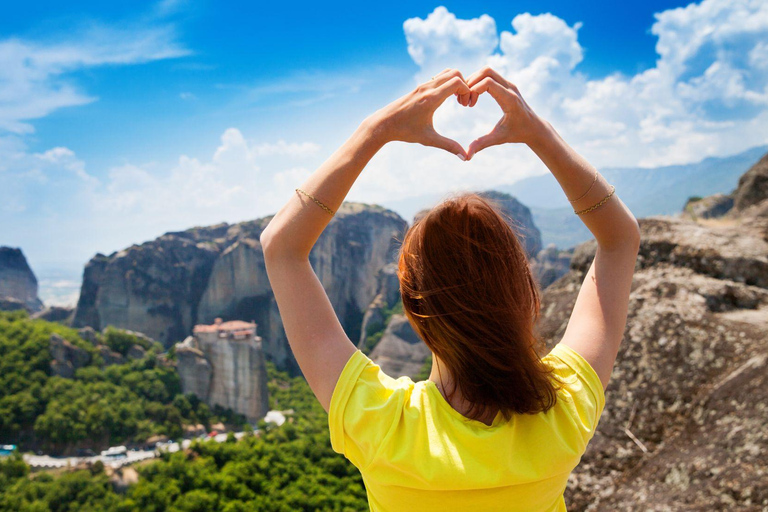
x=120 y=121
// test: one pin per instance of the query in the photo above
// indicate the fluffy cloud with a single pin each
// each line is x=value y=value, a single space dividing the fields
x=706 y=95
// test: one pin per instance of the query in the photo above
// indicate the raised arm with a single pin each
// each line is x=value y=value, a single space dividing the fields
x=314 y=333
x=596 y=326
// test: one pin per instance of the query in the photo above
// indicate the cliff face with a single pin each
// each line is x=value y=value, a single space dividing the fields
x=683 y=424
x=18 y=285
x=225 y=371
x=165 y=286
x=401 y=351
x=523 y=225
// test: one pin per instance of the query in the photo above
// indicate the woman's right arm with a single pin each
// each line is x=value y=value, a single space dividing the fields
x=596 y=326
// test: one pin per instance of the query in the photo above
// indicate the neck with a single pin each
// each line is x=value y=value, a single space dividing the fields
x=445 y=383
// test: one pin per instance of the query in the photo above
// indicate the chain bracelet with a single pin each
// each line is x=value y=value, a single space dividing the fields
x=601 y=203
x=318 y=202
x=590 y=188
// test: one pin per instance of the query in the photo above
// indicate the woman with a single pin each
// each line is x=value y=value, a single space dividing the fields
x=495 y=427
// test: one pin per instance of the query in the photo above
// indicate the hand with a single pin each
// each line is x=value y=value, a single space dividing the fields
x=519 y=123
x=409 y=118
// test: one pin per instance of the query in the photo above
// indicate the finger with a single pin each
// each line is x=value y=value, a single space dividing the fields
x=447 y=75
x=486 y=72
x=436 y=140
x=493 y=138
x=473 y=96
x=455 y=85
x=491 y=86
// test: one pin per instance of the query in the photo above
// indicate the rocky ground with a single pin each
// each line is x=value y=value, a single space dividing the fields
x=684 y=426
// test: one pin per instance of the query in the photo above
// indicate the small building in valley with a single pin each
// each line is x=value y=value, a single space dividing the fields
x=223 y=364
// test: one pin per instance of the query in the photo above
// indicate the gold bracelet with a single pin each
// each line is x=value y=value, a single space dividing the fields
x=602 y=202
x=318 y=202
x=590 y=188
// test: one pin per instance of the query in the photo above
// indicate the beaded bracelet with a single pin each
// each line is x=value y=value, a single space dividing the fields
x=318 y=202
x=602 y=202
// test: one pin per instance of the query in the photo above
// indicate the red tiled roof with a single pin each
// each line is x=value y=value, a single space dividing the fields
x=234 y=325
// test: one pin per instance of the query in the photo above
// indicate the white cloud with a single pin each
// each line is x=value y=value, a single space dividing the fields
x=34 y=75
x=706 y=95
x=441 y=40
x=282 y=147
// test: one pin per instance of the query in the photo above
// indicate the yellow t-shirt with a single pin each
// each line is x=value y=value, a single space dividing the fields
x=415 y=452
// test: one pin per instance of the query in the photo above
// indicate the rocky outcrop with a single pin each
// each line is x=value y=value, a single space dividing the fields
x=67 y=358
x=166 y=286
x=194 y=369
x=58 y=314
x=753 y=186
x=682 y=424
x=520 y=215
x=745 y=201
x=400 y=351
x=550 y=264
x=18 y=285
x=387 y=295
x=708 y=207
x=224 y=365
x=153 y=288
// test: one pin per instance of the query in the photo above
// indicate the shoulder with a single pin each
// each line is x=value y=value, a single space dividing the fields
x=365 y=404
x=578 y=385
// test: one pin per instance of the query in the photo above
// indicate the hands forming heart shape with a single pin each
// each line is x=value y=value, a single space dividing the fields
x=409 y=118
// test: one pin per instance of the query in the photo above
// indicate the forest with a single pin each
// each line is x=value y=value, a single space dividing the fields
x=286 y=468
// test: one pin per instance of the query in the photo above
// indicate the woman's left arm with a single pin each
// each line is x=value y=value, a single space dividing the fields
x=316 y=337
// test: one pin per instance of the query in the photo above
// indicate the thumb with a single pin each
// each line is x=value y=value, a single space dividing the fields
x=436 y=140
x=490 y=139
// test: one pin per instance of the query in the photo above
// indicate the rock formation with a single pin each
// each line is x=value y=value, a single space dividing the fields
x=401 y=351
x=18 y=285
x=684 y=424
x=55 y=314
x=518 y=215
x=67 y=358
x=387 y=295
x=223 y=364
x=166 y=286
x=550 y=264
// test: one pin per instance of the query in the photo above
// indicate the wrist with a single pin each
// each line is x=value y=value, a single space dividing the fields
x=542 y=133
x=374 y=127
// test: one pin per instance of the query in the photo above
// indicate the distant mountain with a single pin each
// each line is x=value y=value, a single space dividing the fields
x=657 y=191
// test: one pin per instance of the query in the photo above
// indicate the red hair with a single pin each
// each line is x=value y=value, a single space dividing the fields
x=468 y=291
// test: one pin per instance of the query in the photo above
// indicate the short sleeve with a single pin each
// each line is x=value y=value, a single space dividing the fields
x=365 y=404
x=581 y=387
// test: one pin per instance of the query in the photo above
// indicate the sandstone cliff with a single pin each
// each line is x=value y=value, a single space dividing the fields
x=18 y=285
x=224 y=365
x=166 y=286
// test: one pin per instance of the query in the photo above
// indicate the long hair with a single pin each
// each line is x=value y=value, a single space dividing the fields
x=468 y=291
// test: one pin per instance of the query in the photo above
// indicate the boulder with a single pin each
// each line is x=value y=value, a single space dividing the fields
x=136 y=352
x=67 y=358
x=55 y=314
x=708 y=207
x=109 y=357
